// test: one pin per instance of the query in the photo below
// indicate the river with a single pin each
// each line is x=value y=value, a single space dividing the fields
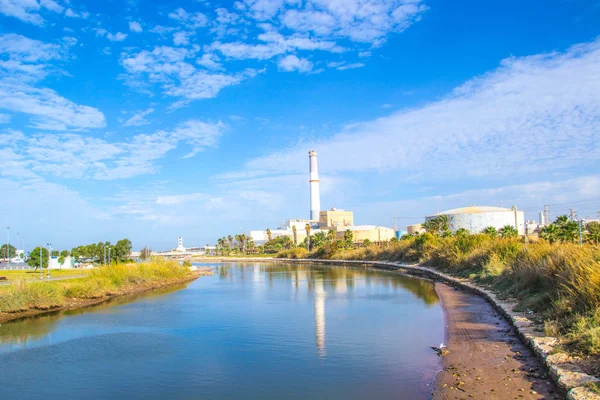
x=253 y=331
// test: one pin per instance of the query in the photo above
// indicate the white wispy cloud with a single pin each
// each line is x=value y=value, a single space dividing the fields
x=172 y=69
x=68 y=155
x=519 y=118
x=139 y=118
x=48 y=110
x=116 y=37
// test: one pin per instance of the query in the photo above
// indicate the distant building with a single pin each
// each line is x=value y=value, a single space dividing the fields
x=372 y=233
x=336 y=219
x=475 y=219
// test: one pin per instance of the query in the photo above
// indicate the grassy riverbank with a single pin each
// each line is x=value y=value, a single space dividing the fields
x=23 y=296
x=31 y=275
x=559 y=282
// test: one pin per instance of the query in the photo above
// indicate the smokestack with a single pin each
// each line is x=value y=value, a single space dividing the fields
x=315 y=201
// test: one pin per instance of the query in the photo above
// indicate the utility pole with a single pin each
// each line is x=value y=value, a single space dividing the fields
x=546 y=215
x=580 y=233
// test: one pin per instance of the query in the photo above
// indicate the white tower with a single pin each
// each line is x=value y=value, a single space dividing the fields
x=180 y=244
x=315 y=201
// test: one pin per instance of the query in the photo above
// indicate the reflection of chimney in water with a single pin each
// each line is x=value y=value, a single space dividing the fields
x=319 y=301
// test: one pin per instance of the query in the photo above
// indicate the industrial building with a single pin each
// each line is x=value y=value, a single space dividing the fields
x=477 y=218
x=334 y=219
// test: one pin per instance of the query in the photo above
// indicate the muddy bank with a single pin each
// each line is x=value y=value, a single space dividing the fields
x=72 y=304
x=485 y=357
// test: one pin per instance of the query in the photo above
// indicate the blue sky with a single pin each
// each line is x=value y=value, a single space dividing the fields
x=154 y=119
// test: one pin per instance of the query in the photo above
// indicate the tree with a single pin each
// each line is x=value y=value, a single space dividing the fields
x=348 y=237
x=35 y=257
x=331 y=235
x=318 y=240
x=10 y=253
x=63 y=256
x=295 y=231
x=269 y=236
x=146 y=253
x=437 y=225
x=593 y=232
x=462 y=232
x=491 y=231
x=508 y=231
x=307 y=229
x=366 y=242
x=230 y=241
x=122 y=250
x=549 y=233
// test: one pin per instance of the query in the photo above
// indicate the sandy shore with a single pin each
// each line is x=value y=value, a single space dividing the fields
x=486 y=360
x=82 y=303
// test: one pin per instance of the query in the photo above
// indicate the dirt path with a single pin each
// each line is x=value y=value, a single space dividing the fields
x=486 y=360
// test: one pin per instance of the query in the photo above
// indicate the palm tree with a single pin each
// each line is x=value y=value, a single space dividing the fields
x=295 y=235
x=307 y=228
x=490 y=231
x=593 y=231
x=230 y=240
x=508 y=231
x=269 y=234
x=331 y=235
x=549 y=233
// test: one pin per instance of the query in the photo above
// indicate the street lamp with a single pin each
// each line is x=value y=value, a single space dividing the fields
x=8 y=246
x=49 y=259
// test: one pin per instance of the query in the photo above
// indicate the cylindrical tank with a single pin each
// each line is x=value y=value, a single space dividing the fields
x=476 y=219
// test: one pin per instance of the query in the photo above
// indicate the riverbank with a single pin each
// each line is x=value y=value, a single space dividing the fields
x=28 y=299
x=485 y=358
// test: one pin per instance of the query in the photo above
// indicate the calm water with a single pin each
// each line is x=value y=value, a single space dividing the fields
x=255 y=331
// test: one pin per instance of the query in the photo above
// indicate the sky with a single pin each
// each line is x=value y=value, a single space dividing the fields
x=150 y=120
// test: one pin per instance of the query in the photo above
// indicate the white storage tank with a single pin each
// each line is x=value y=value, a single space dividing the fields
x=477 y=218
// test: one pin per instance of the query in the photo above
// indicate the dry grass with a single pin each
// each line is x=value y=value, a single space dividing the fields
x=102 y=281
x=560 y=282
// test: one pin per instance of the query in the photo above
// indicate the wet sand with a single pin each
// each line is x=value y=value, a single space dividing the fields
x=485 y=359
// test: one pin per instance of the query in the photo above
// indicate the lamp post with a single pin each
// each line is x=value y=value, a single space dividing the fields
x=49 y=259
x=8 y=246
x=41 y=262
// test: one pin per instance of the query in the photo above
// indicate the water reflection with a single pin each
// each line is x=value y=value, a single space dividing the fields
x=319 y=301
x=16 y=334
x=342 y=281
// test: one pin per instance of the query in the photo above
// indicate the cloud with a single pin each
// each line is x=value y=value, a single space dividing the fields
x=117 y=37
x=48 y=110
x=180 y=199
x=4 y=118
x=293 y=63
x=135 y=26
x=209 y=61
x=517 y=119
x=139 y=119
x=181 y=38
x=193 y=21
x=27 y=58
x=342 y=65
x=68 y=155
x=170 y=68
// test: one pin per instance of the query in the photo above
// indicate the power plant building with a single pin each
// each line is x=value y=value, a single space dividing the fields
x=322 y=221
x=475 y=219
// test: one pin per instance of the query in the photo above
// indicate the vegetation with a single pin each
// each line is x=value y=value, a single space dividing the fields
x=119 y=252
x=36 y=258
x=108 y=280
x=555 y=278
x=11 y=252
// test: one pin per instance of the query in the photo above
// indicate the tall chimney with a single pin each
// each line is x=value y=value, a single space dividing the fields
x=315 y=201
